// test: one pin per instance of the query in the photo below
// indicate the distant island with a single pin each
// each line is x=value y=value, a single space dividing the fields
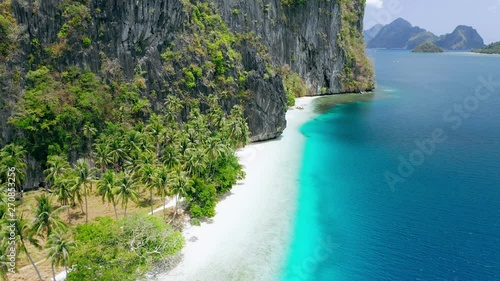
x=400 y=34
x=428 y=47
x=493 y=48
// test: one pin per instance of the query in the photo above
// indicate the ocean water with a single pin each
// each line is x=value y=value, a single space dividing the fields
x=405 y=186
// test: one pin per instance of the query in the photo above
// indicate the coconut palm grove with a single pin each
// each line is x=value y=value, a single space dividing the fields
x=125 y=160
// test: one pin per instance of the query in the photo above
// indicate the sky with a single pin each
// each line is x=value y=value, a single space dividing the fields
x=439 y=16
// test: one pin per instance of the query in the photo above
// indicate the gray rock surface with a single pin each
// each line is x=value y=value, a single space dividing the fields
x=128 y=33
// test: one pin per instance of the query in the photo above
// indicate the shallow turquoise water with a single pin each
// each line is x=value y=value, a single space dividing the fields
x=438 y=218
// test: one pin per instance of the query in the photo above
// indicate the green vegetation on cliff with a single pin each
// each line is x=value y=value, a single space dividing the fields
x=9 y=31
x=358 y=70
x=294 y=85
x=493 y=48
x=293 y=3
x=427 y=47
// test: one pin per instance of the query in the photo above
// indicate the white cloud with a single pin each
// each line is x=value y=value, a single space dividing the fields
x=375 y=3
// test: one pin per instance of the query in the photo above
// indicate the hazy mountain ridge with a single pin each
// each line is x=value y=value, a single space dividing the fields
x=372 y=32
x=401 y=34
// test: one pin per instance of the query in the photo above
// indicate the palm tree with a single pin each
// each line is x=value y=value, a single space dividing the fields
x=146 y=172
x=3 y=199
x=76 y=193
x=173 y=108
x=126 y=190
x=14 y=156
x=22 y=234
x=195 y=161
x=89 y=132
x=215 y=113
x=60 y=248
x=46 y=217
x=115 y=152
x=134 y=140
x=3 y=257
x=57 y=167
x=215 y=149
x=102 y=155
x=161 y=184
x=65 y=190
x=155 y=129
x=84 y=179
x=236 y=128
x=106 y=188
x=181 y=185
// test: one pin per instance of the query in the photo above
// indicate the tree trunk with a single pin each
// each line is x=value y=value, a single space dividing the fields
x=151 y=197
x=86 y=205
x=125 y=214
x=164 y=208
x=53 y=272
x=114 y=207
x=175 y=210
x=32 y=262
x=69 y=215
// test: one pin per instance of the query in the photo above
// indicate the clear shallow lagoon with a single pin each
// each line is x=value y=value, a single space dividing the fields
x=443 y=221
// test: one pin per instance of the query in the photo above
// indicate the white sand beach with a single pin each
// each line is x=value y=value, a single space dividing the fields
x=249 y=236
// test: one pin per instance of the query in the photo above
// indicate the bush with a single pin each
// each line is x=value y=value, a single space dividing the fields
x=189 y=78
x=294 y=85
x=290 y=99
x=122 y=250
x=195 y=222
x=203 y=199
x=86 y=41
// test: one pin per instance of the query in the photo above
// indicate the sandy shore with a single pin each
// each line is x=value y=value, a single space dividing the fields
x=248 y=237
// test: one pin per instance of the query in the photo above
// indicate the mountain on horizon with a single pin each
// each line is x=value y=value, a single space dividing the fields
x=372 y=32
x=401 y=34
x=462 y=38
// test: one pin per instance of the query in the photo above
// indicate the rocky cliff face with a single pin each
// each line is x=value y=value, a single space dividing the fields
x=119 y=37
x=311 y=37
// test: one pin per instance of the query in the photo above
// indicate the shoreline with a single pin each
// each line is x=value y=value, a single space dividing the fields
x=249 y=236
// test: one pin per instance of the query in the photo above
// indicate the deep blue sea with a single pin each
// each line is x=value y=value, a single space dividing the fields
x=405 y=186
